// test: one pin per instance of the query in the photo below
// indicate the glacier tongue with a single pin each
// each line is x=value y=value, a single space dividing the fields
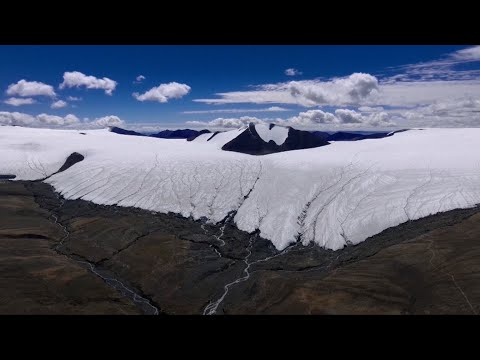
x=333 y=195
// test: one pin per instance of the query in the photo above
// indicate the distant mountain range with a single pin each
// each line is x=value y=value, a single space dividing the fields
x=121 y=131
x=165 y=134
x=353 y=136
x=179 y=134
x=258 y=139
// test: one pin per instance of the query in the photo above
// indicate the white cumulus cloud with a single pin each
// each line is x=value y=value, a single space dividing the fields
x=351 y=90
x=292 y=72
x=58 y=104
x=78 y=79
x=19 y=101
x=74 y=98
x=164 y=92
x=341 y=118
x=46 y=119
x=139 y=79
x=26 y=88
x=106 y=121
x=70 y=119
x=50 y=119
x=346 y=116
x=313 y=117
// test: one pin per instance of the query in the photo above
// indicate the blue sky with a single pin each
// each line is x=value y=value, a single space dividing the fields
x=330 y=87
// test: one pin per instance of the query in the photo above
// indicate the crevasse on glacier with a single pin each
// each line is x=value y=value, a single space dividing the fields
x=333 y=195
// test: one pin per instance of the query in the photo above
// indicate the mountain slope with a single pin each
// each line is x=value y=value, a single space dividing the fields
x=120 y=131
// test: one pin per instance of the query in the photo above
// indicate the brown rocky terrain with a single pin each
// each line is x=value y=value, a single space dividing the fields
x=75 y=257
x=34 y=279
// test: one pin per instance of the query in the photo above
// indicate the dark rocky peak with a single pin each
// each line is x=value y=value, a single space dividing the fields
x=251 y=142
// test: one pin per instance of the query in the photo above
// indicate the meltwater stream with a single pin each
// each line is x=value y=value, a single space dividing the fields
x=139 y=300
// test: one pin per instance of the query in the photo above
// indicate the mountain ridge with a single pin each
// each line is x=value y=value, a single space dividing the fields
x=188 y=134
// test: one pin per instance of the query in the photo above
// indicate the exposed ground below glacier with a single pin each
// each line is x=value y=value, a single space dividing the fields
x=70 y=256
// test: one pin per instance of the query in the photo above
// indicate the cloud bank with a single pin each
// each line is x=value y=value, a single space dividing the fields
x=47 y=120
x=312 y=119
x=41 y=120
x=351 y=90
x=106 y=121
x=235 y=111
x=228 y=122
x=57 y=120
x=58 y=104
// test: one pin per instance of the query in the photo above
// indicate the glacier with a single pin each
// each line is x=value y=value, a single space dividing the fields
x=334 y=195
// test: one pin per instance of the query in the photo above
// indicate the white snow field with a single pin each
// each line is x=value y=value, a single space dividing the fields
x=333 y=195
x=278 y=133
x=220 y=139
